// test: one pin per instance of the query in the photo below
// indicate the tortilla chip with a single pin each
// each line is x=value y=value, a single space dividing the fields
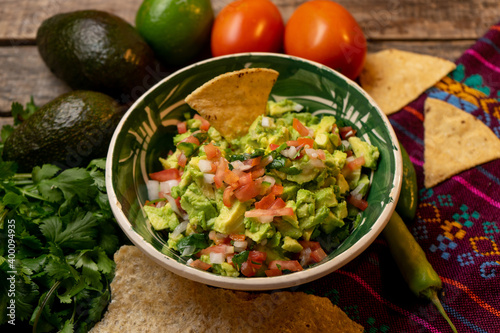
x=454 y=142
x=148 y=298
x=394 y=78
x=232 y=101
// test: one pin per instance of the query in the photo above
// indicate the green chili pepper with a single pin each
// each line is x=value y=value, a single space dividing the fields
x=413 y=264
x=407 y=203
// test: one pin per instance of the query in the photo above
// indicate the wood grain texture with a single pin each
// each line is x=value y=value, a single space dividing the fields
x=24 y=74
x=380 y=19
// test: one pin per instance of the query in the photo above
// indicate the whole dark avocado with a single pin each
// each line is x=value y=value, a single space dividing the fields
x=68 y=131
x=98 y=51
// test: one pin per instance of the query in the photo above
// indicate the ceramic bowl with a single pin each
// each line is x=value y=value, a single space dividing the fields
x=145 y=133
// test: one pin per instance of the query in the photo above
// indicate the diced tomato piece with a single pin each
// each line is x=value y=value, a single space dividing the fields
x=227 y=197
x=237 y=237
x=299 y=127
x=247 y=269
x=182 y=127
x=291 y=265
x=212 y=151
x=293 y=143
x=219 y=173
x=277 y=189
x=191 y=139
x=200 y=265
x=258 y=172
x=346 y=132
x=230 y=177
x=310 y=244
x=229 y=258
x=205 y=125
x=273 y=272
x=245 y=178
x=218 y=238
x=287 y=211
x=182 y=160
x=358 y=203
x=253 y=161
x=356 y=163
x=265 y=202
x=164 y=175
x=247 y=191
x=306 y=141
x=318 y=255
x=278 y=204
x=349 y=153
x=221 y=248
x=273 y=146
x=257 y=256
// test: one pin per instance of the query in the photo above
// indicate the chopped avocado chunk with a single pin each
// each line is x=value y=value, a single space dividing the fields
x=230 y=220
x=171 y=161
x=286 y=229
x=291 y=245
x=342 y=184
x=225 y=269
x=331 y=222
x=198 y=207
x=162 y=218
x=362 y=148
x=325 y=197
x=281 y=107
x=258 y=231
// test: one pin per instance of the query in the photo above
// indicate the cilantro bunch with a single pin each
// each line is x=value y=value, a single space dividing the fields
x=57 y=239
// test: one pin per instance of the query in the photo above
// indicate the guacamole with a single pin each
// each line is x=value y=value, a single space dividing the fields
x=274 y=201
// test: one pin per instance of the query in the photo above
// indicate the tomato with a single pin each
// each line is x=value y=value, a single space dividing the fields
x=182 y=127
x=291 y=265
x=356 y=163
x=176 y=30
x=205 y=125
x=212 y=151
x=200 y=265
x=356 y=202
x=299 y=127
x=247 y=26
x=324 y=31
x=346 y=132
x=164 y=175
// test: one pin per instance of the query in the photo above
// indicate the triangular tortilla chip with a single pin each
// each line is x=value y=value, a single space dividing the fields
x=394 y=78
x=454 y=142
x=232 y=101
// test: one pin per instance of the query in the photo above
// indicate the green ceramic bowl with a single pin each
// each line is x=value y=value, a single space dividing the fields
x=145 y=133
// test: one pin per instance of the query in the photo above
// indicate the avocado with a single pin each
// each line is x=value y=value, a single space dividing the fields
x=331 y=222
x=277 y=109
x=258 y=231
x=96 y=50
x=325 y=197
x=362 y=148
x=230 y=220
x=291 y=245
x=198 y=207
x=162 y=218
x=68 y=131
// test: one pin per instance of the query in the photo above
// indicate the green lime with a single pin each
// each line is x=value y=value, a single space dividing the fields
x=176 y=30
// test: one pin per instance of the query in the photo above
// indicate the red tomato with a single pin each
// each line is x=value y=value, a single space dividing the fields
x=299 y=127
x=205 y=125
x=200 y=265
x=356 y=163
x=247 y=26
x=324 y=31
x=182 y=127
x=291 y=265
x=358 y=203
x=212 y=151
x=164 y=175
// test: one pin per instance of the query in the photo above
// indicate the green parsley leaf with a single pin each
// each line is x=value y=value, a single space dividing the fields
x=77 y=234
x=240 y=258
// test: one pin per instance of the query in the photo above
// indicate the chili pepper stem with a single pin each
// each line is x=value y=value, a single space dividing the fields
x=431 y=294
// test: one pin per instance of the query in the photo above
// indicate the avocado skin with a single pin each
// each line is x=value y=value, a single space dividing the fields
x=96 y=50
x=68 y=131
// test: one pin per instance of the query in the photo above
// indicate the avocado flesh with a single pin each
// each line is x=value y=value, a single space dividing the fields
x=95 y=50
x=69 y=131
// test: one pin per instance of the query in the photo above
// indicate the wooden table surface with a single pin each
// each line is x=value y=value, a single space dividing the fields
x=440 y=27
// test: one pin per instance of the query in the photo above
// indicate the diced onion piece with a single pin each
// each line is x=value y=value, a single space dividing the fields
x=166 y=186
x=209 y=178
x=173 y=204
x=290 y=152
x=239 y=165
x=311 y=153
x=205 y=165
x=317 y=163
x=269 y=179
x=267 y=122
x=188 y=250
x=297 y=107
x=217 y=258
x=266 y=160
x=305 y=256
x=153 y=187
x=180 y=229
x=345 y=144
x=240 y=245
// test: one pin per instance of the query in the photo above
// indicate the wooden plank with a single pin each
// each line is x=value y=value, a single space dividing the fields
x=380 y=19
x=24 y=74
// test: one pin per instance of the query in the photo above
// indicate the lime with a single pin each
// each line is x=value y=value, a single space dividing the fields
x=176 y=30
